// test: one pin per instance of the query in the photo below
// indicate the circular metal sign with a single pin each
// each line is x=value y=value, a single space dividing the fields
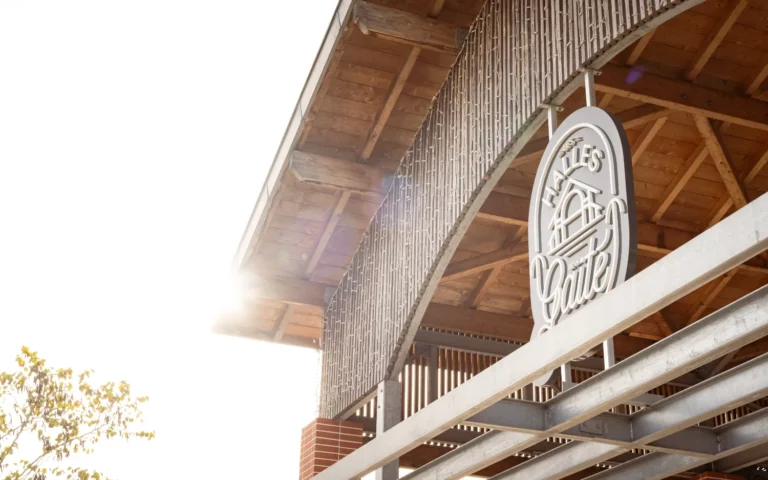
x=582 y=227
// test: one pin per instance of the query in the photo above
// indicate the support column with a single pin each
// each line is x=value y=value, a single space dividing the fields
x=387 y=416
x=325 y=442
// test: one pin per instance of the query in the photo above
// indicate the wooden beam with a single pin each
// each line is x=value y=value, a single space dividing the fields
x=605 y=101
x=632 y=118
x=640 y=47
x=722 y=162
x=681 y=179
x=337 y=173
x=404 y=27
x=499 y=207
x=437 y=7
x=287 y=290
x=283 y=323
x=662 y=323
x=645 y=138
x=389 y=105
x=477 y=322
x=716 y=37
x=710 y=294
x=489 y=277
x=485 y=261
x=330 y=227
x=507 y=209
x=758 y=77
x=719 y=365
x=683 y=96
x=725 y=203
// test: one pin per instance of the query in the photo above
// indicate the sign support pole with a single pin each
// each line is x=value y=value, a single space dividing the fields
x=566 y=381
x=609 y=355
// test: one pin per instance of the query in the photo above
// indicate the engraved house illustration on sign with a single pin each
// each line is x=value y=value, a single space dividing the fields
x=574 y=219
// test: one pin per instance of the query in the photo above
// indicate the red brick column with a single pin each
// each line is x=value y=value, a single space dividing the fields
x=325 y=442
x=716 y=476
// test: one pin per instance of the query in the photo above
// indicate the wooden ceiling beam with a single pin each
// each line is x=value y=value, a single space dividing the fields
x=340 y=174
x=288 y=290
x=330 y=227
x=490 y=276
x=632 y=118
x=710 y=294
x=640 y=145
x=283 y=323
x=389 y=105
x=485 y=261
x=725 y=203
x=408 y=28
x=683 y=96
x=640 y=47
x=722 y=161
x=716 y=37
x=757 y=78
x=662 y=323
x=678 y=183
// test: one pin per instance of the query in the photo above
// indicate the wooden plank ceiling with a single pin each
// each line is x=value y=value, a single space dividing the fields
x=692 y=96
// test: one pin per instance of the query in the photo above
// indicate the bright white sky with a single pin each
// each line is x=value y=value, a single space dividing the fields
x=134 y=138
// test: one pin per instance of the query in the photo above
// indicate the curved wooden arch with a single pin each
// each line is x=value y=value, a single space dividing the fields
x=519 y=56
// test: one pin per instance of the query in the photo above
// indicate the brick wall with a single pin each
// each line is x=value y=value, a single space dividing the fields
x=325 y=442
x=717 y=476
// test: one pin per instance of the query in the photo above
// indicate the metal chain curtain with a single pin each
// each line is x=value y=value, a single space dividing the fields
x=518 y=54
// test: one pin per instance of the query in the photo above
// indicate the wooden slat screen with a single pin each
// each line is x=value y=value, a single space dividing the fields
x=518 y=54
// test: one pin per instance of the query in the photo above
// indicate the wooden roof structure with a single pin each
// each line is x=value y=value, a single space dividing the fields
x=692 y=96
x=374 y=91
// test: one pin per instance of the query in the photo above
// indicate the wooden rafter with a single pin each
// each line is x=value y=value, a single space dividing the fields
x=710 y=294
x=489 y=277
x=485 y=261
x=408 y=28
x=499 y=207
x=722 y=161
x=389 y=105
x=758 y=77
x=725 y=203
x=640 y=47
x=720 y=364
x=437 y=7
x=605 y=100
x=716 y=37
x=330 y=227
x=662 y=323
x=632 y=118
x=678 y=183
x=283 y=323
x=645 y=138
x=338 y=173
x=683 y=96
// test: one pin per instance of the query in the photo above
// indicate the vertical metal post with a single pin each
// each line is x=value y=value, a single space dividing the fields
x=565 y=370
x=565 y=376
x=589 y=87
x=609 y=356
x=551 y=120
x=432 y=374
x=387 y=416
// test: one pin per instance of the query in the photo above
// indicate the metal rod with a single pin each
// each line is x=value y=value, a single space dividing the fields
x=589 y=87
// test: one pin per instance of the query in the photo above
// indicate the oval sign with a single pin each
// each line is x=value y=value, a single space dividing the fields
x=582 y=227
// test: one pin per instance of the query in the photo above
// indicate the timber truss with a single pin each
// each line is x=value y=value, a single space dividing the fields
x=668 y=430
